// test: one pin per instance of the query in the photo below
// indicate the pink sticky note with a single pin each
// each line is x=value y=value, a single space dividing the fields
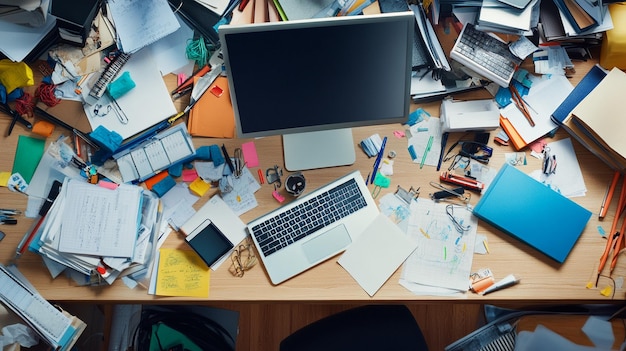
x=249 y=154
x=189 y=175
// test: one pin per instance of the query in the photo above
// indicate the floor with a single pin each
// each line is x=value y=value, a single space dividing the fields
x=263 y=326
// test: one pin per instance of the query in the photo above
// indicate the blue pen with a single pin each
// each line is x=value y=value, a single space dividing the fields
x=378 y=159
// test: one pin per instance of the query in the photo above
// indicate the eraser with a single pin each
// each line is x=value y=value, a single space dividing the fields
x=121 y=85
x=163 y=186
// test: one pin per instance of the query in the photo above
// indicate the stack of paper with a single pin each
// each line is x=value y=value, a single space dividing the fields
x=100 y=233
x=597 y=122
x=543 y=98
x=57 y=328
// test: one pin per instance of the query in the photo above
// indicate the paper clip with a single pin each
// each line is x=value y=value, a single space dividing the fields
x=376 y=191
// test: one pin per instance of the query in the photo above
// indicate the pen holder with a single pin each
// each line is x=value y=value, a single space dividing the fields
x=295 y=184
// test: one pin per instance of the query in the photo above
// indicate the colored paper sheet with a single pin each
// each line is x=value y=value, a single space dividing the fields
x=27 y=156
x=4 y=178
x=199 y=187
x=189 y=175
x=182 y=273
x=249 y=154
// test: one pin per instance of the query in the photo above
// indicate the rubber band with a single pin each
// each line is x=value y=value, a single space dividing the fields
x=45 y=93
x=196 y=50
x=24 y=105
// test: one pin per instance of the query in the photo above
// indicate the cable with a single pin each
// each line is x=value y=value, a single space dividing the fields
x=207 y=334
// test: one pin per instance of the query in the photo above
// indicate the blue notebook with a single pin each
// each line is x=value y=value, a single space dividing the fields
x=528 y=210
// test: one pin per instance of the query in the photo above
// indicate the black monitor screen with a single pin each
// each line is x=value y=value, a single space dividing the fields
x=320 y=74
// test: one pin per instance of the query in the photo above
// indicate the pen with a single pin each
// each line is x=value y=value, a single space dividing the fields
x=507 y=281
x=242 y=4
x=444 y=141
x=189 y=81
x=201 y=87
x=617 y=247
x=609 y=241
x=428 y=146
x=609 y=195
x=378 y=159
x=150 y=132
x=229 y=162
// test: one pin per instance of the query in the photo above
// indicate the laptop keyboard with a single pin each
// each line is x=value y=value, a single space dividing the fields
x=309 y=215
x=485 y=55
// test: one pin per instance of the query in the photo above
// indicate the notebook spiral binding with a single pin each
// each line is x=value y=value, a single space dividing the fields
x=107 y=76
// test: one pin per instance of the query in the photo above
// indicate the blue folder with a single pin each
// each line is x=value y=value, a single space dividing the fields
x=530 y=211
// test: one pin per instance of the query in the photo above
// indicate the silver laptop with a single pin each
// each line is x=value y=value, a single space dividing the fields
x=314 y=227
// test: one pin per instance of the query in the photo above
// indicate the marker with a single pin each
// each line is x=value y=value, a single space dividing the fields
x=507 y=281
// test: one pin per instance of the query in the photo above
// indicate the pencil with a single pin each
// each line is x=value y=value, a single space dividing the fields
x=609 y=195
x=521 y=105
x=609 y=242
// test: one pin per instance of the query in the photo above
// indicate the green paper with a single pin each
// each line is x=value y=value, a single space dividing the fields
x=27 y=156
x=169 y=338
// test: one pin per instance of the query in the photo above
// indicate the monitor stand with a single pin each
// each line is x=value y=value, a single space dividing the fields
x=311 y=150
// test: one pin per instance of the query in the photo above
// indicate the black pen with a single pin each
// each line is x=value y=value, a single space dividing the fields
x=444 y=141
x=229 y=162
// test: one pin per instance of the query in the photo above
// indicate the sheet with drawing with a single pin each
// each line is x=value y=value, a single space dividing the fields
x=444 y=253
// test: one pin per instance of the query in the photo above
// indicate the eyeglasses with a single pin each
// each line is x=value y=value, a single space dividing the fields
x=242 y=259
x=459 y=161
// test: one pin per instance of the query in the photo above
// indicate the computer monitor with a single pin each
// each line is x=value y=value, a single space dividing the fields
x=312 y=80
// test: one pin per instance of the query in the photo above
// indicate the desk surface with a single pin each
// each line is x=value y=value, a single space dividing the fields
x=542 y=279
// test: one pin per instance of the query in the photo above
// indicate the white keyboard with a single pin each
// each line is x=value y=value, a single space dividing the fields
x=485 y=55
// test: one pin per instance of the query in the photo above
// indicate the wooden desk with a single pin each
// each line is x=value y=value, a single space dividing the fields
x=543 y=281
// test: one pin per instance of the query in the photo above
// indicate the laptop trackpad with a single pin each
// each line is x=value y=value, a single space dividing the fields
x=326 y=244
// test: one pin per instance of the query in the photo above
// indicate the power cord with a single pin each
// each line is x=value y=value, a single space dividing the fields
x=207 y=334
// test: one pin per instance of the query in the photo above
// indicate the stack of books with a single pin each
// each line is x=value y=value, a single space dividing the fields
x=591 y=114
x=74 y=19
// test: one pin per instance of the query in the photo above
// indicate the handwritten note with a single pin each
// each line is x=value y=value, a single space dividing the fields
x=182 y=273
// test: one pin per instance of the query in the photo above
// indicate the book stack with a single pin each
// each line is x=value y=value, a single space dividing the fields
x=591 y=114
x=582 y=15
x=74 y=19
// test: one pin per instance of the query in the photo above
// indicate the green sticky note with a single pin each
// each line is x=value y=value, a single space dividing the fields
x=27 y=156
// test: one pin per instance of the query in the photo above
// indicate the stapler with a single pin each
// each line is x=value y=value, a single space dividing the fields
x=466 y=182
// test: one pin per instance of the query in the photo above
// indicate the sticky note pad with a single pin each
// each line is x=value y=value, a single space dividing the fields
x=189 y=175
x=27 y=156
x=249 y=154
x=199 y=187
x=4 y=178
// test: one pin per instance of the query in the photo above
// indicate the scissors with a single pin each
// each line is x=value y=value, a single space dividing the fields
x=16 y=118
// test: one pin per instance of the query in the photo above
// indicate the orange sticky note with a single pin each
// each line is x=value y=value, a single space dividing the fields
x=155 y=179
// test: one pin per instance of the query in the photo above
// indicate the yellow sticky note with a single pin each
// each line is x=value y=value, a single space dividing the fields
x=607 y=291
x=4 y=178
x=182 y=273
x=199 y=186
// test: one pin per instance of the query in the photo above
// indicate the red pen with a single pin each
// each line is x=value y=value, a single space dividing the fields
x=260 y=173
x=242 y=4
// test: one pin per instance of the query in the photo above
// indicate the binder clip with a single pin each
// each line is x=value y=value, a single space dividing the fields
x=549 y=162
x=446 y=193
x=272 y=175
x=407 y=195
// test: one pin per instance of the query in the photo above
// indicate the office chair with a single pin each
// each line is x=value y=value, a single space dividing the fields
x=369 y=327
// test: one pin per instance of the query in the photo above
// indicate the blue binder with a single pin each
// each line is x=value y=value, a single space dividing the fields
x=582 y=89
x=528 y=210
